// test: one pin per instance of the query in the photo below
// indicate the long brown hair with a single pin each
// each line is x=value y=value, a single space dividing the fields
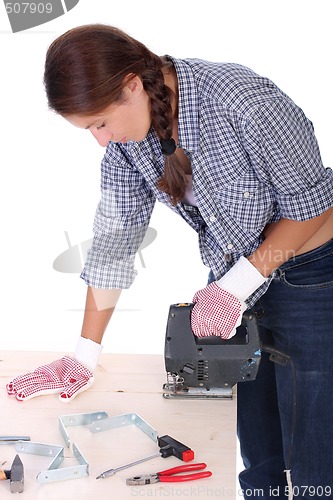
x=85 y=69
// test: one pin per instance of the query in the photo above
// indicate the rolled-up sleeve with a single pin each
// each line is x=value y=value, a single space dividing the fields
x=284 y=152
x=121 y=221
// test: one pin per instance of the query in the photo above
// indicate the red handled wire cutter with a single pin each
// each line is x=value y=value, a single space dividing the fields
x=169 y=475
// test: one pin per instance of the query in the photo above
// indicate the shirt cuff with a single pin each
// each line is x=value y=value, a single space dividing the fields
x=310 y=203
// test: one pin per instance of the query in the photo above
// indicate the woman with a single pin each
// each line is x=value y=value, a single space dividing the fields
x=237 y=159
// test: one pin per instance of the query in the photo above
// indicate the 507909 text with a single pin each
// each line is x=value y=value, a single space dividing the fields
x=28 y=8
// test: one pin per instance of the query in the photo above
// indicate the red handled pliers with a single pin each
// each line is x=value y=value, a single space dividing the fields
x=168 y=476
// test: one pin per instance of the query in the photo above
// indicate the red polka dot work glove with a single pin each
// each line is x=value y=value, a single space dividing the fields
x=216 y=312
x=68 y=376
x=219 y=307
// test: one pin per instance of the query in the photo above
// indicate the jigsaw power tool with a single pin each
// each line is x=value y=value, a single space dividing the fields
x=208 y=367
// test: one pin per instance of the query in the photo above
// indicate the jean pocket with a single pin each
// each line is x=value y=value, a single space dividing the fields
x=314 y=274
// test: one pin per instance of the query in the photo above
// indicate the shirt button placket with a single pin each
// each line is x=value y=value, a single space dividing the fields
x=135 y=150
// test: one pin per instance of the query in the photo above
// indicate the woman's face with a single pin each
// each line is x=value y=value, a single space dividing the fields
x=126 y=121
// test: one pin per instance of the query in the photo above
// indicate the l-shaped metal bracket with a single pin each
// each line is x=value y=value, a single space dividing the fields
x=54 y=473
x=78 y=419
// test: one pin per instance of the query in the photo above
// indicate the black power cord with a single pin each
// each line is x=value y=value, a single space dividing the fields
x=283 y=359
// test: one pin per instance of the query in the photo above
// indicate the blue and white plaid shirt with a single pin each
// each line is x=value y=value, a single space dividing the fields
x=254 y=158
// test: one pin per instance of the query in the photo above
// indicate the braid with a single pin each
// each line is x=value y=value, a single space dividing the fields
x=173 y=182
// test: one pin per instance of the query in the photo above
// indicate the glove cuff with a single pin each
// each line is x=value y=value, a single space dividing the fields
x=87 y=352
x=242 y=280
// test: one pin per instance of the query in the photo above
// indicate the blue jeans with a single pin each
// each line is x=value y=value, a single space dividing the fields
x=295 y=316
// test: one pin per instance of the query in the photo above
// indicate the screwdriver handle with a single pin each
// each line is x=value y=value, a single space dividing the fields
x=171 y=447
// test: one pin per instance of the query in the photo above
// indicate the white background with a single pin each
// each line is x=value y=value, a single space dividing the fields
x=49 y=175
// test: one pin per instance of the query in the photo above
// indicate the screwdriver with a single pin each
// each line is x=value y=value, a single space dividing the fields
x=111 y=472
x=168 y=447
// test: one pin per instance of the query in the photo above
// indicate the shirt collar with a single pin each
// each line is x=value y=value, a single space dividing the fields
x=188 y=106
x=188 y=112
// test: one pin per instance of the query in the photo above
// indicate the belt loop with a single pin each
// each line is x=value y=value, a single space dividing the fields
x=278 y=274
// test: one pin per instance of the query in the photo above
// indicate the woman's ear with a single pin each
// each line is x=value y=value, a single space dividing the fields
x=132 y=84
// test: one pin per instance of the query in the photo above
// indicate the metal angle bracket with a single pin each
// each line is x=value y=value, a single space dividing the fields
x=78 y=419
x=54 y=473
x=122 y=421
